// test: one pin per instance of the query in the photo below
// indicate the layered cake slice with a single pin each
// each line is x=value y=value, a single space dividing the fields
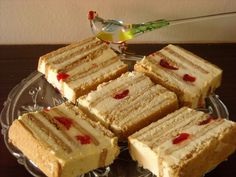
x=128 y=103
x=63 y=142
x=78 y=68
x=184 y=143
x=189 y=76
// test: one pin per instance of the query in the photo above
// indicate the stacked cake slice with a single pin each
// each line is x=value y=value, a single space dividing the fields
x=189 y=76
x=128 y=103
x=63 y=141
x=78 y=68
x=183 y=144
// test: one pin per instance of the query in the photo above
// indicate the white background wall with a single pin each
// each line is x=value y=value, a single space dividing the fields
x=65 y=21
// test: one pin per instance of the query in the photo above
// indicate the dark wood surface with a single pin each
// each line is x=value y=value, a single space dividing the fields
x=18 y=61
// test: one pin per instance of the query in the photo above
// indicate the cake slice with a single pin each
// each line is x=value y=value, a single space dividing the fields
x=189 y=76
x=63 y=142
x=184 y=143
x=78 y=68
x=128 y=103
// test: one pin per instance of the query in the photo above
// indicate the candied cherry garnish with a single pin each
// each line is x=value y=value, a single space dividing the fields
x=62 y=76
x=181 y=137
x=189 y=78
x=208 y=120
x=65 y=121
x=164 y=63
x=121 y=95
x=84 y=139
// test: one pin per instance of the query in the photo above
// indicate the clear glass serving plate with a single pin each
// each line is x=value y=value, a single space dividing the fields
x=35 y=93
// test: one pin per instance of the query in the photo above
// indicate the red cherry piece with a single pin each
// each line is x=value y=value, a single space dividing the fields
x=91 y=15
x=181 y=137
x=204 y=122
x=167 y=65
x=189 y=78
x=84 y=139
x=208 y=120
x=121 y=95
x=62 y=76
x=66 y=122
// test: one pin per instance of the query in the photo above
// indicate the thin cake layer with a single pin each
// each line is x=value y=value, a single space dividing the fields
x=184 y=143
x=63 y=141
x=128 y=103
x=78 y=68
x=189 y=76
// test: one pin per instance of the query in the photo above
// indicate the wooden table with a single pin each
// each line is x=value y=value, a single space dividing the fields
x=18 y=61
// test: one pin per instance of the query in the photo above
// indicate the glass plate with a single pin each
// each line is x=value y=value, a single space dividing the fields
x=35 y=93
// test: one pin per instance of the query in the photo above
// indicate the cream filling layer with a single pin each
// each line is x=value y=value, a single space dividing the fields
x=196 y=60
x=187 y=88
x=202 y=79
x=214 y=73
x=74 y=58
x=79 y=150
x=145 y=109
x=106 y=55
x=86 y=78
x=98 y=76
x=168 y=76
x=195 y=143
x=86 y=125
x=70 y=51
x=110 y=109
x=105 y=88
x=91 y=150
x=40 y=134
x=162 y=124
x=210 y=77
x=109 y=103
x=174 y=128
x=201 y=136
